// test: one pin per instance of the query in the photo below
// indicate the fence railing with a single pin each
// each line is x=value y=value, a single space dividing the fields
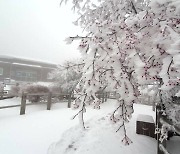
x=48 y=99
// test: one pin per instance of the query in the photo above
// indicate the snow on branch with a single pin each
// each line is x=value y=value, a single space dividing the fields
x=130 y=43
x=69 y=40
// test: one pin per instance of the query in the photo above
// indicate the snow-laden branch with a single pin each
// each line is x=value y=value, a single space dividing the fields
x=130 y=43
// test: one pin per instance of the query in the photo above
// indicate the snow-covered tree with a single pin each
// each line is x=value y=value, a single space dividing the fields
x=169 y=111
x=127 y=43
x=67 y=75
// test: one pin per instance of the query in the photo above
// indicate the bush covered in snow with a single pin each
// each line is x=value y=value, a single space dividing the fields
x=15 y=90
x=55 y=88
x=33 y=89
x=19 y=89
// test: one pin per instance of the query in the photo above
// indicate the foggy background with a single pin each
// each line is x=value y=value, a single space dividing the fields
x=36 y=29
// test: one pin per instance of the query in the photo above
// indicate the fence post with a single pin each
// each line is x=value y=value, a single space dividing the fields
x=49 y=101
x=69 y=100
x=106 y=94
x=103 y=97
x=23 y=104
x=1 y=95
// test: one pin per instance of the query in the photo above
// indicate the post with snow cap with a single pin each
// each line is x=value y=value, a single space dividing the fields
x=69 y=100
x=49 y=101
x=103 y=99
x=1 y=95
x=106 y=95
x=23 y=103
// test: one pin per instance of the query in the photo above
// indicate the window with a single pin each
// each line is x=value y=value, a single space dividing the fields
x=26 y=76
x=1 y=71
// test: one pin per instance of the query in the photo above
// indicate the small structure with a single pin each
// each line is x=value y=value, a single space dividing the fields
x=145 y=125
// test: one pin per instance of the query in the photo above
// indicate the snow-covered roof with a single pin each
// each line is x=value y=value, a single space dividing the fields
x=26 y=65
x=26 y=59
x=145 y=118
x=4 y=62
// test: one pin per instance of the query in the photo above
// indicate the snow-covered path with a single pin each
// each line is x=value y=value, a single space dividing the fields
x=101 y=137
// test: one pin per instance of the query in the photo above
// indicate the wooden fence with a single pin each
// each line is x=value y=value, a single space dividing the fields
x=48 y=99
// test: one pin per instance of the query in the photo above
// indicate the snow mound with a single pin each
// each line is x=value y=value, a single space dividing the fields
x=100 y=137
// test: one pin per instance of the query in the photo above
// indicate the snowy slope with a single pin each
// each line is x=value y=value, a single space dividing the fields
x=101 y=137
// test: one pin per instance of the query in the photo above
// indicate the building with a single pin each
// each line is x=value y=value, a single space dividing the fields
x=24 y=70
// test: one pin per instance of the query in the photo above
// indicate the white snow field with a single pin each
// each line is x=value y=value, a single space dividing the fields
x=40 y=131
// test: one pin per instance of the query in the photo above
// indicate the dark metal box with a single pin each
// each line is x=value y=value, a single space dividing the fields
x=145 y=125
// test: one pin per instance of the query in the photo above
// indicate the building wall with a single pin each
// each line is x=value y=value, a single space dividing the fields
x=25 y=73
x=23 y=70
x=4 y=70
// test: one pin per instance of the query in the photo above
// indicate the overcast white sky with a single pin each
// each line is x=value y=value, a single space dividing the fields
x=36 y=29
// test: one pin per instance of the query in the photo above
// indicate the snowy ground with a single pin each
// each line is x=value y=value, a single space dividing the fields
x=53 y=132
x=33 y=132
x=39 y=131
x=101 y=137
